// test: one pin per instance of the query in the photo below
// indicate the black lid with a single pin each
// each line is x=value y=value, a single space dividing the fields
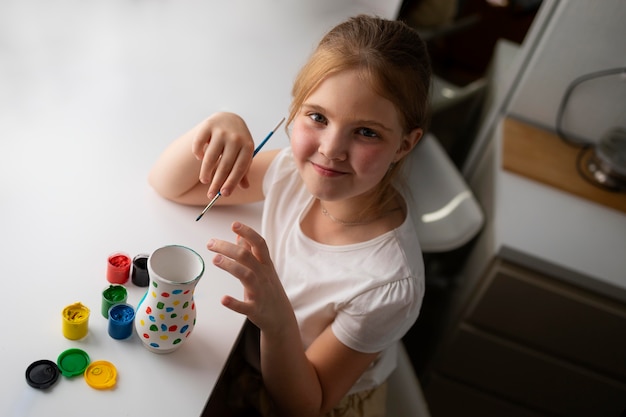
x=42 y=374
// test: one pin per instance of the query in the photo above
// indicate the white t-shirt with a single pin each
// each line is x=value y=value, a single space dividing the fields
x=369 y=292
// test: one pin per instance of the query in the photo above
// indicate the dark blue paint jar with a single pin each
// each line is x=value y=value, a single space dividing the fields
x=121 y=317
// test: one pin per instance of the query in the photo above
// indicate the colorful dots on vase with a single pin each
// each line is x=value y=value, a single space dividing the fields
x=169 y=305
x=184 y=328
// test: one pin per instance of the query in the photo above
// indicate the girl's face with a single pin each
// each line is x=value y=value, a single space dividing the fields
x=345 y=136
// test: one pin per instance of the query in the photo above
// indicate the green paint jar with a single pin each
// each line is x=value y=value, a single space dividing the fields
x=113 y=294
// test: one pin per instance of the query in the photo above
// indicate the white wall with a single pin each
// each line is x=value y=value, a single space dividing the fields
x=581 y=37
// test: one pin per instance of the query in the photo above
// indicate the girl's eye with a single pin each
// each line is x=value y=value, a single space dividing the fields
x=369 y=133
x=316 y=117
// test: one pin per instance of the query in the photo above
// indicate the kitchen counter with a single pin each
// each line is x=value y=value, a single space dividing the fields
x=554 y=231
x=540 y=304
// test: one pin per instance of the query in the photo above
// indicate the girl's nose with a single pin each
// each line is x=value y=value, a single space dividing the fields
x=333 y=145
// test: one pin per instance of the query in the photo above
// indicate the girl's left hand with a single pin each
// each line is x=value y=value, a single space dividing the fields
x=264 y=300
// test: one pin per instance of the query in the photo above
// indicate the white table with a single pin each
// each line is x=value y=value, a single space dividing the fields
x=90 y=93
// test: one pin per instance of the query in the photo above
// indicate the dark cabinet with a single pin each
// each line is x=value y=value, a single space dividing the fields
x=529 y=345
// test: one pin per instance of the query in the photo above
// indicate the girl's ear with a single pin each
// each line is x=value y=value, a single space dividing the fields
x=408 y=143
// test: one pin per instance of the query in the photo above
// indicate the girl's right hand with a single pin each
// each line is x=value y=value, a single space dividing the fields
x=225 y=146
x=264 y=302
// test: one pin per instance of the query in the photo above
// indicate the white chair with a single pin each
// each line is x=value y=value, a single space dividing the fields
x=447 y=216
x=445 y=211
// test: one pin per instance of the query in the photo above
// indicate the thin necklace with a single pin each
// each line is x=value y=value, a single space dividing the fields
x=355 y=223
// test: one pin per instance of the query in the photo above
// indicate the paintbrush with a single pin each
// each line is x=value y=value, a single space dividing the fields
x=256 y=150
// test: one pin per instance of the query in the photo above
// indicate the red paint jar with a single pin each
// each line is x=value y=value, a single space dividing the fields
x=118 y=268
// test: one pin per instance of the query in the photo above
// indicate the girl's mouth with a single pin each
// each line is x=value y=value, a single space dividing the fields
x=326 y=171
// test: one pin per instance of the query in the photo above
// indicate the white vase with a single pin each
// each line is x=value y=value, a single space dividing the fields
x=166 y=315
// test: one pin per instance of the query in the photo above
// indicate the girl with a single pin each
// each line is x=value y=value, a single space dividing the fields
x=335 y=279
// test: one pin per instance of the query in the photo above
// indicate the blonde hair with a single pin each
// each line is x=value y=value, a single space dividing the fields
x=391 y=57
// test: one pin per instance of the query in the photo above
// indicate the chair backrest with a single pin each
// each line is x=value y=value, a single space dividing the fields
x=445 y=211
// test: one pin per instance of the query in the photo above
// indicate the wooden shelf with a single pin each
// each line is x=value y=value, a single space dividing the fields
x=542 y=156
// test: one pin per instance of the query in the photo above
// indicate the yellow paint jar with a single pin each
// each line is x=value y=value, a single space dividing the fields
x=75 y=321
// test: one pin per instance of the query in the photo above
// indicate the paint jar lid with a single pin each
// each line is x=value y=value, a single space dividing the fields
x=42 y=374
x=101 y=375
x=73 y=362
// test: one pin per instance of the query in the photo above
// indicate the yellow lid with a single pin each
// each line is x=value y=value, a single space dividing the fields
x=101 y=375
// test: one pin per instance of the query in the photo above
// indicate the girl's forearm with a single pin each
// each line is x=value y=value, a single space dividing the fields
x=176 y=171
x=288 y=375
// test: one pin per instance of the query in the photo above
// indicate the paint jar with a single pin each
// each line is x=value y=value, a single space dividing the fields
x=118 y=268
x=121 y=318
x=139 y=275
x=75 y=321
x=113 y=294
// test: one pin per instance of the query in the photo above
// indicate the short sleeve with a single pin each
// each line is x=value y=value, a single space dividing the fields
x=378 y=318
x=280 y=167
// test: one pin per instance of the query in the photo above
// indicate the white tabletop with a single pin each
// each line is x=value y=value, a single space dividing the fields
x=90 y=93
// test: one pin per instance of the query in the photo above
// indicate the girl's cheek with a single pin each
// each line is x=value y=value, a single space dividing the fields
x=303 y=141
x=371 y=162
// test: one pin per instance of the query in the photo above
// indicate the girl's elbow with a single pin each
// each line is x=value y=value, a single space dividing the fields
x=162 y=189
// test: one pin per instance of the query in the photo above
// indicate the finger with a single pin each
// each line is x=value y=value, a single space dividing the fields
x=236 y=305
x=202 y=137
x=198 y=149
x=210 y=159
x=243 y=243
x=244 y=183
x=256 y=242
x=228 y=171
x=199 y=143
x=235 y=178
x=227 y=159
x=235 y=260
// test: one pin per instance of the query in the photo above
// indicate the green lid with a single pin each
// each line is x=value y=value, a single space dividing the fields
x=73 y=362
